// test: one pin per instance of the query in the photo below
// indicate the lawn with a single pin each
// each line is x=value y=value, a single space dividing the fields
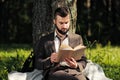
x=13 y=56
x=108 y=57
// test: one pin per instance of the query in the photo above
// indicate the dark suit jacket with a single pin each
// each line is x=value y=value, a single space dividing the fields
x=46 y=46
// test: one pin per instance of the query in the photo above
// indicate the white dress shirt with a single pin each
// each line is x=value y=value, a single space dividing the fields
x=57 y=46
x=57 y=42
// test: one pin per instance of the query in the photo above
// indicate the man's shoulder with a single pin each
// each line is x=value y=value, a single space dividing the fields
x=74 y=35
x=48 y=36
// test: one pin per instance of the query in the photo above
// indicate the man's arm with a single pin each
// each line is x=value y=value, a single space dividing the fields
x=77 y=40
x=83 y=61
x=42 y=58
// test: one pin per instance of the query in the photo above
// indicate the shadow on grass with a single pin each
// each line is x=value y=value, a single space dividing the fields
x=112 y=71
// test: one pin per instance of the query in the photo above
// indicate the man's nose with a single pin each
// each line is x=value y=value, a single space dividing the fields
x=64 y=25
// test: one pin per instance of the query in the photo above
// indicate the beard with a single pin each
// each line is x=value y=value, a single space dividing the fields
x=63 y=32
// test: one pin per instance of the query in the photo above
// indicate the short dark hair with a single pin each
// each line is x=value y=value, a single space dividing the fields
x=61 y=11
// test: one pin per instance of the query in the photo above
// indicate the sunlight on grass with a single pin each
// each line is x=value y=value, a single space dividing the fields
x=13 y=57
x=107 y=57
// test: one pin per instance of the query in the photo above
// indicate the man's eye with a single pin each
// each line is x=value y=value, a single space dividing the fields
x=66 y=22
x=61 y=23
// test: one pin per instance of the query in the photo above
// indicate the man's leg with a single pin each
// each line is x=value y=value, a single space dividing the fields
x=62 y=75
x=80 y=77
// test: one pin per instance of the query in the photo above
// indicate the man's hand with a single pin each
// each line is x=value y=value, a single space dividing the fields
x=53 y=57
x=71 y=62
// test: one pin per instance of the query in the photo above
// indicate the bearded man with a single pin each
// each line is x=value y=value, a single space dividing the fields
x=48 y=46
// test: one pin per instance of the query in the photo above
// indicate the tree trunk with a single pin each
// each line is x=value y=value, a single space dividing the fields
x=43 y=16
x=71 y=4
x=42 y=20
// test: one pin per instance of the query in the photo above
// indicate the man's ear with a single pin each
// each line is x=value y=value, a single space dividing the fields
x=54 y=21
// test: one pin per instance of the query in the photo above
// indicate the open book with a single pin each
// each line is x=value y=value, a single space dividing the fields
x=66 y=51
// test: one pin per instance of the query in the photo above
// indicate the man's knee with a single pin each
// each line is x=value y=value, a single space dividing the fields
x=62 y=75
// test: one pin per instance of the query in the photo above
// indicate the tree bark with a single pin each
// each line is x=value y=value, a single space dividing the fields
x=71 y=4
x=42 y=20
x=43 y=16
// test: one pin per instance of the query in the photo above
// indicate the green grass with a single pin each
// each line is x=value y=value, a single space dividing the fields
x=12 y=58
x=108 y=57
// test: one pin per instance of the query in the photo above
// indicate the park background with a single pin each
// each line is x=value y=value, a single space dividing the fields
x=99 y=25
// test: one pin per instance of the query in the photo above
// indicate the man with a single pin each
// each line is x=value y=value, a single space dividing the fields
x=48 y=46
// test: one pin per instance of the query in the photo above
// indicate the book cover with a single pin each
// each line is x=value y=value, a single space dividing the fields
x=66 y=51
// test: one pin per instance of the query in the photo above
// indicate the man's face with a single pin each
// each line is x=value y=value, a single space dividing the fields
x=62 y=24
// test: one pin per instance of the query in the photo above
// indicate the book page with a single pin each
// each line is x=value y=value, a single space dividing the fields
x=79 y=47
x=78 y=53
x=66 y=51
x=65 y=47
x=64 y=54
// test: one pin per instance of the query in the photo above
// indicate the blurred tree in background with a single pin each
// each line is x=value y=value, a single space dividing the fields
x=96 y=20
x=15 y=21
x=99 y=20
x=43 y=11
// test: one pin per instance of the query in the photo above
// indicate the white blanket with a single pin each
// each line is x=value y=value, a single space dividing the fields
x=93 y=71
x=34 y=75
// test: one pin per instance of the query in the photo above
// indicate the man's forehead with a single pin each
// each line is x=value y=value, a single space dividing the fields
x=62 y=18
x=58 y=16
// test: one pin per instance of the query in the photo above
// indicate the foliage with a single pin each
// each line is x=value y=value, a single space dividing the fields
x=12 y=58
x=100 y=21
x=107 y=57
x=15 y=21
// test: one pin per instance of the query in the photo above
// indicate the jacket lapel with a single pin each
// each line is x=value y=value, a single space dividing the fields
x=73 y=40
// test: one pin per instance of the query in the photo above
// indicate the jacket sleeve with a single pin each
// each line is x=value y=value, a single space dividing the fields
x=83 y=61
x=42 y=58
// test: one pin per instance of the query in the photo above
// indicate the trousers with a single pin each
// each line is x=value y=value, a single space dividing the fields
x=62 y=73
